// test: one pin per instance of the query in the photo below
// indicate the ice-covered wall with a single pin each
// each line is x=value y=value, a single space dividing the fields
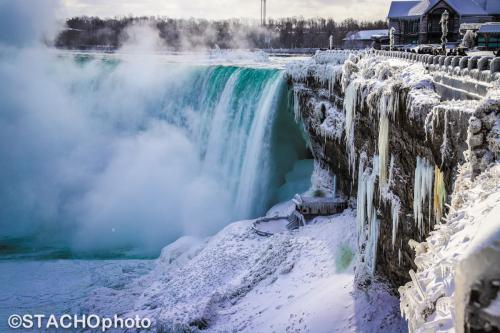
x=396 y=145
x=388 y=110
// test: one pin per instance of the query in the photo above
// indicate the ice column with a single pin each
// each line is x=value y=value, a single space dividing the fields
x=350 y=103
x=367 y=221
x=388 y=103
x=383 y=147
x=422 y=191
x=439 y=195
x=296 y=105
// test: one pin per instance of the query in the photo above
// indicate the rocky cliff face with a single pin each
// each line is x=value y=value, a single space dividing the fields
x=380 y=127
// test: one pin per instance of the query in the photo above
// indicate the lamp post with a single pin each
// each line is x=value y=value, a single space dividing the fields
x=445 y=18
x=263 y=12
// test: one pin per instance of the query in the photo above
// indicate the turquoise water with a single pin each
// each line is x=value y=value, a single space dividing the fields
x=123 y=157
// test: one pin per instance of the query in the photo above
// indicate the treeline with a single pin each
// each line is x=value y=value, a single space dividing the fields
x=182 y=34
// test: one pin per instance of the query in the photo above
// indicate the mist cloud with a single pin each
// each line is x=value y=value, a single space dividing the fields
x=24 y=22
x=87 y=160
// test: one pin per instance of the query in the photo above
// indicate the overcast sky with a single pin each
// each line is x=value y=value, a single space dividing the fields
x=215 y=9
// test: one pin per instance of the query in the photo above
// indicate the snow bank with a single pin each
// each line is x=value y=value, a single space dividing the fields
x=299 y=281
x=455 y=255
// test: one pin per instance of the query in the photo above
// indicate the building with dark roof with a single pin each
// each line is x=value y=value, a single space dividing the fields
x=489 y=36
x=418 y=21
x=363 y=39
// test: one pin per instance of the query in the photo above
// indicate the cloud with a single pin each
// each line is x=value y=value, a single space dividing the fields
x=216 y=9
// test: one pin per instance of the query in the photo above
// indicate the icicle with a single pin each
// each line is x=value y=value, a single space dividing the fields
x=296 y=105
x=395 y=203
x=371 y=246
x=422 y=191
x=445 y=149
x=367 y=222
x=388 y=104
x=350 y=104
x=383 y=147
x=331 y=84
x=391 y=171
x=395 y=209
x=361 y=199
x=370 y=188
x=439 y=194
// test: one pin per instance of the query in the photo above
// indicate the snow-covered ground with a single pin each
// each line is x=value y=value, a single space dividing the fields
x=237 y=281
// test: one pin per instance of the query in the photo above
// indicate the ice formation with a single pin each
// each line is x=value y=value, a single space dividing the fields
x=455 y=255
x=429 y=187
x=394 y=200
x=439 y=195
x=422 y=191
x=438 y=117
x=348 y=69
x=361 y=198
x=445 y=146
x=367 y=221
x=332 y=57
x=388 y=104
x=296 y=105
x=395 y=209
x=323 y=180
x=395 y=204
x=371 y=245
x=333 y=125
x=350 y=104
x=383 y=147
x=323 y=66
x=375 y=82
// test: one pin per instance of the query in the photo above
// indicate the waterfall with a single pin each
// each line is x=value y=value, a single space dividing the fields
x=144 y=152
x=255 y=171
